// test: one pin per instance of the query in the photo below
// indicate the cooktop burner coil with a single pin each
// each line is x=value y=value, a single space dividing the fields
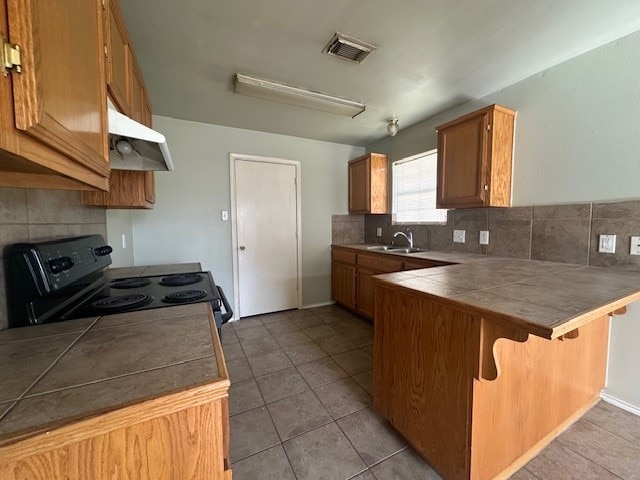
x=181 y=280
x=122 y=302
x=131 y=283
x=184 y=296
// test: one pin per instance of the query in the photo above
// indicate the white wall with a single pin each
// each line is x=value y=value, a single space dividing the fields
x=577 y=140
x=119 y=223
x=185 y=225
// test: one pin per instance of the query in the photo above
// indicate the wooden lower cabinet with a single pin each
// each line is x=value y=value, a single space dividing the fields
x=352 y=272
x=476 y=398
x=364 y=302
x=343 y=284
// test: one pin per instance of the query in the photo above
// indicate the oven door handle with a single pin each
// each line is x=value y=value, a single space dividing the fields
x=229 y=313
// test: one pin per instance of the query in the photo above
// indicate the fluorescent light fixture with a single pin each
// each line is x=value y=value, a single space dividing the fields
x=278 y=92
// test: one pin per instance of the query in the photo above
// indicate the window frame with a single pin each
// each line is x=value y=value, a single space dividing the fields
x=393 y=196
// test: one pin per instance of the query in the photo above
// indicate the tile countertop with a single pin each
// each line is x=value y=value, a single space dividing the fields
x=149 y=270
x=55 y=374
x=546 y=299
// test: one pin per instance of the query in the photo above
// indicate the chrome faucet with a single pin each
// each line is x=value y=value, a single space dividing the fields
x=408 y=236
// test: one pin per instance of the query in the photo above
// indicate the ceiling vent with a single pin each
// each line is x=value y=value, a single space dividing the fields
x=348 y=48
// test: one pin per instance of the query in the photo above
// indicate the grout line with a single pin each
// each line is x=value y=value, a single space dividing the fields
x=589 y=234
x=632 y=442
x=525 y=468
x=584 y=456
x=24 y=394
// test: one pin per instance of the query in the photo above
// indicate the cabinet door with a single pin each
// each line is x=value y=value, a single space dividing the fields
x=59 y=98
x=462 y=163
x=137 y=95
x=343 y=284
x=149 y=187
x=365 y=292
x=118 y=58
x=360 y=186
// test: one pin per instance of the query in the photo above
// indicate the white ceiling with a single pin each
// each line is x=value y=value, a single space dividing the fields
x=431 y=56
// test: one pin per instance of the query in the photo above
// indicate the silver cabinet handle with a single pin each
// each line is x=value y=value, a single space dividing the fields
x=242 y=247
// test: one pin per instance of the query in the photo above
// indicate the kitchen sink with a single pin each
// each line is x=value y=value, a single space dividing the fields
x=408 y=250
x=396 y=249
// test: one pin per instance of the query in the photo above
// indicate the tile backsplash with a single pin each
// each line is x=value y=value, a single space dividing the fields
x=347 y=229
x=36 y=215
x=557 y=233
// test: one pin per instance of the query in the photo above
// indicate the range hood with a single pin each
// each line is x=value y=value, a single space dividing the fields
x=132 y=146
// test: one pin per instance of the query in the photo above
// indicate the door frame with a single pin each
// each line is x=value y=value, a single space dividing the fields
x=233 y=157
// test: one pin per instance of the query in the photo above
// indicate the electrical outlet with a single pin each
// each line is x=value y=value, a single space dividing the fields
x=635 y=246
x=224 y=215
x=458 y=236
x=379 y=232
x=484 y=237
x=607 y=244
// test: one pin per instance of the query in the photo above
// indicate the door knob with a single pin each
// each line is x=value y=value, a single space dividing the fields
x=242 y=247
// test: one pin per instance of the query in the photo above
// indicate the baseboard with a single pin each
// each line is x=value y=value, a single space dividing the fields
x=620 y=403
x=321 y=304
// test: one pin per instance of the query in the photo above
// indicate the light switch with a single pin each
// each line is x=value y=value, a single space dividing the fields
x=458 y=236
x=484 y=237
x=225 y=215
x=635 y=246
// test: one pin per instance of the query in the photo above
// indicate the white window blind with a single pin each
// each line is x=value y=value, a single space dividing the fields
x=414 y=189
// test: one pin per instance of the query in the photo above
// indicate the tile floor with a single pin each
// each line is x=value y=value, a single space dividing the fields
x=301 y=408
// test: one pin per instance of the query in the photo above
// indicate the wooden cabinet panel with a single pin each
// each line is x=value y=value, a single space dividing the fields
x=127 y=189
x=474 y=159
x=364 y=303
x=380 y=262
x=343 y=284
x=59 y=98
x=417 y=264
x=137 y=95
x=368 y=184
x=344 y=256
x=118 y=58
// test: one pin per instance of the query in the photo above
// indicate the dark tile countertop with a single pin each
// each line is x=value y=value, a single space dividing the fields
x=55 y=374
x=547 y=299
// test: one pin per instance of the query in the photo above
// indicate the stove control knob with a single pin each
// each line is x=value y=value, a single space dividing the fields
x=61 y=264
x=102 y=251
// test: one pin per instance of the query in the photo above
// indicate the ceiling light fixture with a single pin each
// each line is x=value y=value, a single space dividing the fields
x=300 y=97
x=392 y=127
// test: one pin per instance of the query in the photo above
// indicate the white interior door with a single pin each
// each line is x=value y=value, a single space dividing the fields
x=266 y=239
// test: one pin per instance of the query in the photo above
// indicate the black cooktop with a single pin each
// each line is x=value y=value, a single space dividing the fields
x=142 y=293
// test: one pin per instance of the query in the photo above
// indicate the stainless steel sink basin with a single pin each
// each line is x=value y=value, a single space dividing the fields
x=396 y=249
x=408 y=250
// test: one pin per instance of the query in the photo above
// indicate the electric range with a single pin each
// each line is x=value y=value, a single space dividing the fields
x=64 y=279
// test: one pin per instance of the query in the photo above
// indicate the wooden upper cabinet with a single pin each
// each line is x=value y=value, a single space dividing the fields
x=54 y=119
x=118 y=56
x=138 y=95
x=368 y=179
x=474 y=159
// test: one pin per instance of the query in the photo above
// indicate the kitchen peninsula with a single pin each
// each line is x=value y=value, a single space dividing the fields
x=481 y=365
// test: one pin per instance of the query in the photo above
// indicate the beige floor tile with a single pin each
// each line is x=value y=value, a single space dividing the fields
x=320 y=372
x=304 y=353
x=323 y=453
x=252 y=432
x=244 y=396
x=343 y=397
x=298 y=414
x=336 y=344
x=355 y=361
x=371 y=435
x=561 y=463
x=269 y=362
x=278 y=385
x=406 y=465
x=271 y=464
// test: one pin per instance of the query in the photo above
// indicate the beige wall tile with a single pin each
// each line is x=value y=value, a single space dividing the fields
x=13 y=206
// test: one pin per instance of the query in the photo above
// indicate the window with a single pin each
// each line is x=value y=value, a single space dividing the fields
x=414 y=189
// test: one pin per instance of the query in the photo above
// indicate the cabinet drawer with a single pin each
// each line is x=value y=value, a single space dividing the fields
x=380 y=262
x=416 y=264
x=344 y=256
